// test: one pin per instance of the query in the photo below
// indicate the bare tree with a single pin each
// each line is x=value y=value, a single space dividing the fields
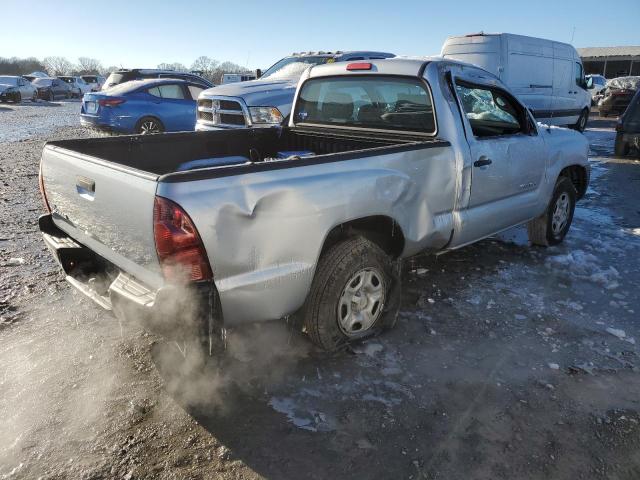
x=205 y=67
x=88 y=65
x=56 y=66
x=108 y=70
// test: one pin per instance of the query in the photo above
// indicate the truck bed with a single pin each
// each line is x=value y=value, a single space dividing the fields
x=165 y=154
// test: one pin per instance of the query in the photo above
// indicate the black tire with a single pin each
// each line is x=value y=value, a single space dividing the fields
x=17 y=98
x=581 y=124
x=547 y=230
x=621 y=147
x=51 y=97
x=149 y=125
x=336 y=271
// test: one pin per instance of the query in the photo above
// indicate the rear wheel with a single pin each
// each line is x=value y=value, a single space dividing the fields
x=581 y=124
x=149 y=125
x=552 y=226
x=355 y=294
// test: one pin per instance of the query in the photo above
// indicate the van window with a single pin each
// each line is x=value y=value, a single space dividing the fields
x=372 y=102
x=489 y=111
x=579 y=75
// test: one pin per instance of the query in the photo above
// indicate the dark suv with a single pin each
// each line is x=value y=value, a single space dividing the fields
x=628 y=128
x=126 y=75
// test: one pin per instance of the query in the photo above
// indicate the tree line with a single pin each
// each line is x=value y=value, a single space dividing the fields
x=209 y=68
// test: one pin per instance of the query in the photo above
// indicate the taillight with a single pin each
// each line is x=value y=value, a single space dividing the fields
x=111 y=102
x=42 y=192
x=180 y=250
x=359 y=66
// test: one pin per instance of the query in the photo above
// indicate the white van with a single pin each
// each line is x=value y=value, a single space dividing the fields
x=547 y=76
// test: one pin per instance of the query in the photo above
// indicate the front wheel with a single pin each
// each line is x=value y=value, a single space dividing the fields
x=621 y=148
x=355 y=294
x=552 y=226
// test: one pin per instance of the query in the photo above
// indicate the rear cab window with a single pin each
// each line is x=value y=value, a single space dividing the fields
x=399 y=104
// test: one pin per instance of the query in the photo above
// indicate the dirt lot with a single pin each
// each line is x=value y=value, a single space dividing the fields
x=507 y=362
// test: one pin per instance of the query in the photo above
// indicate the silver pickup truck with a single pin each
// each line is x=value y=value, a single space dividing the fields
x=381 y=160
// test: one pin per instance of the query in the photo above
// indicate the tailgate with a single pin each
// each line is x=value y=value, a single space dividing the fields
x=106 y=207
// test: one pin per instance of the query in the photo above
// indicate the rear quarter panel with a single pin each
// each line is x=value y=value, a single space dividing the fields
x=263 y=232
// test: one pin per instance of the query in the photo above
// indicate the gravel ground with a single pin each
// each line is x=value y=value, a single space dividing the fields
x=30 y=119
x=507 y=362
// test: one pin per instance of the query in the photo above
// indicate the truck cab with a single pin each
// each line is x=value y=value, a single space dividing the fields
x=267 y=101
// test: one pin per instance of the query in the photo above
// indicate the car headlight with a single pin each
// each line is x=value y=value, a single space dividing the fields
x=269 y=115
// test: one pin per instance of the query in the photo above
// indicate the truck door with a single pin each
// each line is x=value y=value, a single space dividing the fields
x=508 y=160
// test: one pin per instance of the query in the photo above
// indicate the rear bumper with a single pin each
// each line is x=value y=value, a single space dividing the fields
x=175 y=312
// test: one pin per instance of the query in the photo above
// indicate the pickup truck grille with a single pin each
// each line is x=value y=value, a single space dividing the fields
x=221 y=112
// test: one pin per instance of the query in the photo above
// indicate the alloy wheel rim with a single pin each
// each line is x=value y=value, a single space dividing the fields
x=560 y=214
x=361 y=302
x=149 y=127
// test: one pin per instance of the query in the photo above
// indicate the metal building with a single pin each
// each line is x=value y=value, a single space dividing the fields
x=611 y=62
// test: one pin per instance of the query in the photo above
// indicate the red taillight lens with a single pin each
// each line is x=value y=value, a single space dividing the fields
x=42 y=192
x=359 y=66
x=180 y=250
x=111 y=102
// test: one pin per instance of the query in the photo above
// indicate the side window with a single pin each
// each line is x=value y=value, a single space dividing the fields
x=489 y=111
x=351 y=59
x=195 y=91
x=167 y=91
x=579 y=75
x=172 y=91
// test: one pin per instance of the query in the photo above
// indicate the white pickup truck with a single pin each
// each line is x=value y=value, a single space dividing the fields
x=381 y=160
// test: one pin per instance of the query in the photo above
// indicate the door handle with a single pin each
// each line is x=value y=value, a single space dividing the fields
x=482 y=162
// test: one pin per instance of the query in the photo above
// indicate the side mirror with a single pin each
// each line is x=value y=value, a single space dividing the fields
x=258 y=73
x=589 y=83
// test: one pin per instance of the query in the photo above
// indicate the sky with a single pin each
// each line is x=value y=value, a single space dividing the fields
x=144 y=33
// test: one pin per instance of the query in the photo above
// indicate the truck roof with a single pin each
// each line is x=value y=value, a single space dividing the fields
x=407 y=66
x=506 y=35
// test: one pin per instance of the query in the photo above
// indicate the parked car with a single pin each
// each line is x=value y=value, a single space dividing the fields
x=126 y=75
x=628 y=128
x=78 y=86
x=381 y=160
x=618 y=95
x=52 y=88
x=94 y=81
x=599 y=83
x=547 y=76
x=143 y=106
x=15 y=89
x=266 y=102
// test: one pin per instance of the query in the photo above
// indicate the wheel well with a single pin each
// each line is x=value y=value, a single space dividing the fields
x=578 y=176
x=380 y=229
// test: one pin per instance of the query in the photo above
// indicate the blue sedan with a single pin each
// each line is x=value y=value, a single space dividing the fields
x=143 y=106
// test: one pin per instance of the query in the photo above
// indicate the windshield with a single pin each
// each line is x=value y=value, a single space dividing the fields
x=90 y=79
x=66 y=79
x=382 y=103
x=42 y=82
x=290 y=67
x=9 y=80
